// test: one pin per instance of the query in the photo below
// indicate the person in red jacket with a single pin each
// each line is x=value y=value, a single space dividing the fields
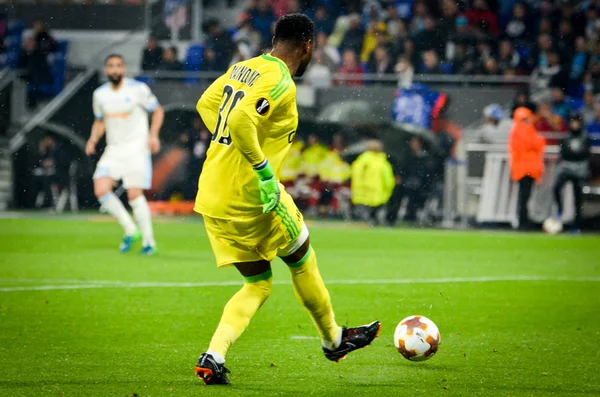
x=482 y=19
x=526 y=157
x=350 y=67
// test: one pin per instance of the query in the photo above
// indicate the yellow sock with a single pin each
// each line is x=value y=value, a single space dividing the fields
x=311 y=292
x=239 y=310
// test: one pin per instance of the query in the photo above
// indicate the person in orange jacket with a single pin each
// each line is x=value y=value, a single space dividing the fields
x=526 y=156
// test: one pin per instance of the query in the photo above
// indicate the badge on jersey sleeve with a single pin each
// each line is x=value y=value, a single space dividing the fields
x=262 y=106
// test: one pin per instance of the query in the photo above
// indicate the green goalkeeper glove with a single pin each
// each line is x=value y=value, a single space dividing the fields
x=268 y=186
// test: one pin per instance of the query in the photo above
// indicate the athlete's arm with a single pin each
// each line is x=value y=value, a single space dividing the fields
x=158 y=116
x=244 y=136
x=98 y=127
x=149 y=102
x=97 y=133
x=209 y=102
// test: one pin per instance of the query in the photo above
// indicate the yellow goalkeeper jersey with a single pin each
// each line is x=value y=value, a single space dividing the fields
x=263 y=88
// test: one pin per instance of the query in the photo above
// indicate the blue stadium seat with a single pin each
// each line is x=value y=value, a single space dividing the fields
x=524 y=52
x=193 y=61
x=145 y=79
x=193 y=57
x=58 y=66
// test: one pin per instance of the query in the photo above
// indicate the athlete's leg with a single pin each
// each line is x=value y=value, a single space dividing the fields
x=110 y=202
x=241 y=307
x=560 y=181
x=312 y=293
x=337 y=342
x=141 y=212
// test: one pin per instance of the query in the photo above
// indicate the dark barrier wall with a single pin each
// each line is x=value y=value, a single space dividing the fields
x=78 y=16
x=465 y=104
x=5 y=107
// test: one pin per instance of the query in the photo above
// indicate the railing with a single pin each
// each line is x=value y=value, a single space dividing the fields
x=367 y=77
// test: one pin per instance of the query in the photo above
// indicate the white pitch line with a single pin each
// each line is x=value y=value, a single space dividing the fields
x=150 y=284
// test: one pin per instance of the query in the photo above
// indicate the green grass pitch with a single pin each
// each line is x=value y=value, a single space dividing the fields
x=519 y=314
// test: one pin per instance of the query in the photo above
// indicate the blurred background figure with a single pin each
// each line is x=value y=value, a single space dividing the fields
x=372 y=182
x=526 y=157
x=318 y=75
x=151 y=55
x=573 y=166
x=549 y=122
x=35 y=70
x=404 y=71
x=593 y=127
x=51 y=173
x=196 y=141
x=410 y=183
x=334 y=174
x=496 y=127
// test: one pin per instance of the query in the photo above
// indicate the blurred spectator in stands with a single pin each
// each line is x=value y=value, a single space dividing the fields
x=592 y=27
x=351 y=69
x=35 y=70
x=482 y=19
x=405 y=72
x=318 y=75
x=579 y=63
x=380 y=62
x=545 y=27
x=588 y=110
x=522 y=99
x=220 y=43
x=247 y=39
x=51 y=173
x=462 y=61
x=279 y=7
x=43 y=40
x=151 y=55
x=574 y=16
x=496 y=127
x=3 y=31
x=353 y=38
x=591 y=79
x=552 y=74
x=411 y=54
x=463 y=33
x=196 y=141
x=323 y=21
x=450 y=12
x=330 y=55
x=542 y=48
x=209 y=62
x=420 y=12
x=483 y=51
x=526 y=159
x=410 y=182
x=169 y=62
x=508 y=57
x=372 y=182
x=263 y=19
x=593 y=127
x=375 y=30
x=560 y=105
x=430 y=38
x=520 y=27
x=490 y=67
x=398 y=36
x=431 y=63
x=312 y=156
x=564 y=40
x=549 y=122
x=573 y=166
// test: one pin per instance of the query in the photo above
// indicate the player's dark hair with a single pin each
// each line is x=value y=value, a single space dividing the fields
x=294 y=28
x=110 y=56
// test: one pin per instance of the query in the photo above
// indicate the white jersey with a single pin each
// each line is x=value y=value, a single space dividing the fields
x=125 y=112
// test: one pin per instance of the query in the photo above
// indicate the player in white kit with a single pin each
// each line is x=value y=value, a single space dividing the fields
x=121 y=109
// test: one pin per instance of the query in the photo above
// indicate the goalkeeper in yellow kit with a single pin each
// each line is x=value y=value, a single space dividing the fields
x=249 y=217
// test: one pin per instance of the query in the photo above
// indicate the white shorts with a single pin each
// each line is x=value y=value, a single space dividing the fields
x=133 y=167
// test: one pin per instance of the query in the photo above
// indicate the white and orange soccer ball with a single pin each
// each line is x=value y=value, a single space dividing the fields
x=417 y=338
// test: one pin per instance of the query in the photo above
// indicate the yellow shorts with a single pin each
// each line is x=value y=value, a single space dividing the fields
x=239 y=240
